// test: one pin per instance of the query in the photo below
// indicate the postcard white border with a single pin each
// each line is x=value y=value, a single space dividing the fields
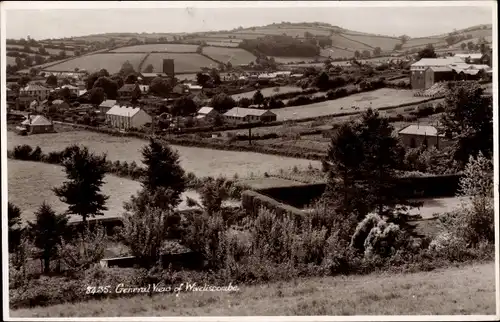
x=47 y=5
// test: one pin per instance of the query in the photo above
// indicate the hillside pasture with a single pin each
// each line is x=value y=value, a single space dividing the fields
x=335 y=53
x=385 y=43
x=201 y=161
x=421 y=42
x=174 y=48
x=293 y=32
x=93 y=63
x=183 y=63
x=223 y=44
x=51 y=51
x=474 y=40
x=268 y=92
x=237 y=35
x=374 y=99
x=342 y=42
x=236 y=56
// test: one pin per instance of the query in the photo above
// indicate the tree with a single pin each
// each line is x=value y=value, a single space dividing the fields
x=118 y=79
x=145 y=232
x=15 y=229
x=404 y=39
x=85 y=249
x=322 y=81
x=244 y=102
x=42 y=50
x=39 y=60
x=96 y=96
x=109 y=86
x=463 y=46
x=126 y=69
x=131 y=79
x=46 y=233
x=427 y=52
x=85 y=173
x=23 y=81
x=471 y=46
x=258 y=98
x=184 y=106
x=398 y=47
x=202 y=79
x=377 y=51
x=222 y=102
x=163 y=169
x=308 y=35
x=160 y=86
x=62 y=54
x=468 y=118
x=64 y=93
x=357 y=54
x=149 y=68
x=214 y=74
x=362 y=160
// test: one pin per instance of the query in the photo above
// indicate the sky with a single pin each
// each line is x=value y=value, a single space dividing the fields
x=392 y=21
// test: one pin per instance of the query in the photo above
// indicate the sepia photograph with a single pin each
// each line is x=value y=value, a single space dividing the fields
x=277 y=160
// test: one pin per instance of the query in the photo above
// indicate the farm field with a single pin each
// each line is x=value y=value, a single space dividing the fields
x=31 y=183
x=92 y=63
x=416 y=42
x=374 y=99
x=223 y=43
x=293 y=32
x=269 y=91
x=465 y=290
x=474 y=40
x=340 y=41
x=337 y=53
x=174 y=48
x=236 y=56
x=51 y=51
x=183 y=63
x=385 y=43
x=201 y=161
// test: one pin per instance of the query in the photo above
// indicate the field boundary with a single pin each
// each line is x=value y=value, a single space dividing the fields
x=139 y=67
x=357 y=41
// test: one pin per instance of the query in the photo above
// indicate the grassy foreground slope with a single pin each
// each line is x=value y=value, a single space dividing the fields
x=461 y=290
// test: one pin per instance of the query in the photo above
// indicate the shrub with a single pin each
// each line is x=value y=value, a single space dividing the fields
x=22 y=152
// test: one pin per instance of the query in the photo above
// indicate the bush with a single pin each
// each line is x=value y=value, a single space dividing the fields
x=22 y=152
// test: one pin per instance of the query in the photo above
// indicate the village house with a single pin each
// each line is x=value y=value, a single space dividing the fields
x=144 y=89
x=148 y=77
x=416 y=135
x=23 y=102
x=35 y=90
x=124 y=117
x=36 y=124
x=129 y=91
x=208 y=113
x=180 y=89
x=239 y=114
x=194 y=89
x=11 y=95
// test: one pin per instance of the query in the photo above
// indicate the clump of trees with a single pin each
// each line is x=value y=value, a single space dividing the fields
x=286 y=46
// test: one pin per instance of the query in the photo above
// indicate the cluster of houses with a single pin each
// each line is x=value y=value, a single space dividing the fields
x=428 y=71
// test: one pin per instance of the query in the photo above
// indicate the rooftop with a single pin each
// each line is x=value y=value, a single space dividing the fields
x=205 y=110
x=108 y=103
x=242 y=112
x=123 y=111
x=440 y=69
x=416 y=129
x=127 y=87
x=36 y=120
x=437 y=61
x=35 y=87
x=471 y=55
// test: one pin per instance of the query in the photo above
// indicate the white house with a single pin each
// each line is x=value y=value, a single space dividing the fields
x=124 y=117
x=207 y=112
x=35 y=90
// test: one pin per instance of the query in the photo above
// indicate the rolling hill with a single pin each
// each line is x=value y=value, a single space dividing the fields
x=223 y=46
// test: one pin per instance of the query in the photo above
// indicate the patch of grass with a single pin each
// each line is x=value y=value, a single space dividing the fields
x=459 y=290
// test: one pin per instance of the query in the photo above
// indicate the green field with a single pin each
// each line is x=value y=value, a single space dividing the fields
x=202 y=162
x=223 y=43
x=236 y=56
x=464 y=290
x=277 y=30
x=385 y=43
x=183 y=63
x=30 y=184
x=174 y=48
x=93 y=63
x=51 y=51
x=337 y=53
x=268 y=92
x=374 y=99
x=422 y=42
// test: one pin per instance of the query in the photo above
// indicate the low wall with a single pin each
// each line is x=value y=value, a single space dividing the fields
x=408 y=187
